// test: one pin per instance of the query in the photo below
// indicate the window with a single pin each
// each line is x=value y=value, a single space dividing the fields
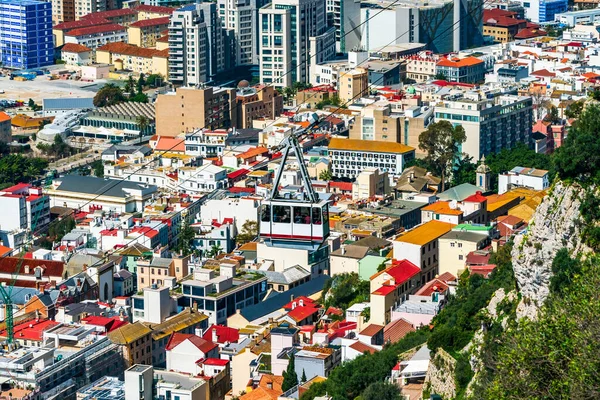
x=316 y=216
x=281 y=288
x=460 y=257
x=301 y=215
x=282 y=214
x=265 y=213
x=197 y=291
x=460 y=245
x=452 y=244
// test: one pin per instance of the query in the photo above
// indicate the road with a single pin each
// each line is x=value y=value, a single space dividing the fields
x=69 y=164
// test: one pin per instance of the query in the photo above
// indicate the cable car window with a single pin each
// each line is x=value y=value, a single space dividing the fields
x=265 y=213
x=302 y=215
x=326 y=217
x=316 y=216
x=282 y=214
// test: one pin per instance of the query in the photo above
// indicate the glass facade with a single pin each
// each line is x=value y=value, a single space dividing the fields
x=26 y=34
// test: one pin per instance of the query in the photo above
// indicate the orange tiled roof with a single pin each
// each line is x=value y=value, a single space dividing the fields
x=442 y=207
x=150 y=22
x=130 y=50
x=92 y=30
x=75 y=48
x=459 y=63
x=4 y=116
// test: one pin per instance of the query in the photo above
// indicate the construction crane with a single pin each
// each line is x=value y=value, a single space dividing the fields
x=6 y=290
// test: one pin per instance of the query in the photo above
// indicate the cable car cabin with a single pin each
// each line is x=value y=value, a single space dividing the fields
x=294 y=221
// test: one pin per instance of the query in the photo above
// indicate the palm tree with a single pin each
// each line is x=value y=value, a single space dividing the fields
x=215 y=250
x=143 y=122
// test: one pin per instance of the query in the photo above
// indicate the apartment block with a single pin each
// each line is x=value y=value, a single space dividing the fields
x=349 y=157
x=199 y=47
x=144 y=33
x=24 y=206
x=241 y=17
x=344 y=15
x=283 y=47
x=377 y=122
x=97 y=36
x=188 y=109
x=257 y=102
x=490 y=124
x=353 y=84
x=139 y=60
x=28 y=24
x=462 y=70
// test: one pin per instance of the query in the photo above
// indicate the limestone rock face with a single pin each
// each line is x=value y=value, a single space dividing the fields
x=554 y=226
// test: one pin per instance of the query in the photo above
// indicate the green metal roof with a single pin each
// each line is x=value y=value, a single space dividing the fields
x=472 y=227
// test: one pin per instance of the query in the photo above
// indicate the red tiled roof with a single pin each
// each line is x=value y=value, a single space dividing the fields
x=528 y=33
x=574 y=44
x=4 y=251
x=396 y=330
x=401 y=271
x=484 y=270
x=385 y=290
x=145 y=230
x=334 y=311
x=447 y=277
x=224 y=334
x=8 y=265
x=93 y=30
x=155 y=9
x=345 y=186
x=300 y=313
x=257 y=151
x=362 y=348
x=544 y=72
x=82 y=23
x=497 y=12
x=75 y=48
x=371 y=330
x=110 y=13
x=110 y=324
x=151 y=22
x=238 y=173
x=459 y=63
x=131 y=50
x=433 y=286
x=203 y=345
x=215 y=361
x=306 y=301
x=477 y=258
x=31 y=330
x=476 y=198
x=502 y=22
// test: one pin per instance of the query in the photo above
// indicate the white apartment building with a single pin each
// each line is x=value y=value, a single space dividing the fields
x=198 y=45
x=285 y=47
x=344 y=15
x=161 y=178
x=349 y=157
x=205 y=143
x=241 y=16
x=490 y=124
x=96 y=36
x=202 y=179
x=536 y=179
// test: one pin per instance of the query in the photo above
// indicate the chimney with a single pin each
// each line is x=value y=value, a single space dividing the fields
x=195 y=306
x=412 y=175
x=198 y=332
x=27 y=269
x=215 y=338
x=343 y=247
x=270 y=385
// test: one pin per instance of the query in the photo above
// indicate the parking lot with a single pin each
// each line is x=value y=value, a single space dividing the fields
x=41 y=88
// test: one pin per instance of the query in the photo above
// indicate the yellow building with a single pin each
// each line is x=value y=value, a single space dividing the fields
x=144 y=33
x=135 y=343
x=132 y=58
x=146 y=11
x=353 y=84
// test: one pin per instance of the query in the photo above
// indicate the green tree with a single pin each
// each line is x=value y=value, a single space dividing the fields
x=564 y=269
x=215 y=250
x=98 y=167
x=325 y=175
x=303 y=378
x=154 y=80
x=129 y=86
x=441 y=141
x=552 y=115
x=139 y=98
x=344 y=290
x=574 y=109
x=248 y=233
x=186 y=237
x=440 y=76
x=381 y=391
x=464 y=171
x=290 y=379
x=140 y=84
x=108 y=95
x=579 y=156
x=31 y=103
x=143 y=123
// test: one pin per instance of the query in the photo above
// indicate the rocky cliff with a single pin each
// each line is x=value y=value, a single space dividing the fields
x=555 y=225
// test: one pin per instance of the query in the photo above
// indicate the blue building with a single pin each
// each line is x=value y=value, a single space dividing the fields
x=26 y=34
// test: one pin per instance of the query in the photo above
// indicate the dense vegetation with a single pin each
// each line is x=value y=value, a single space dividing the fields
x=344 y=290
x=58 y=149
x=15 y=168
x=350 y=380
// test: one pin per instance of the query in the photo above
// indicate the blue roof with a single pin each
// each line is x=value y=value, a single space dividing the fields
x=189 y=7
x=278 y=301
x=68 y=103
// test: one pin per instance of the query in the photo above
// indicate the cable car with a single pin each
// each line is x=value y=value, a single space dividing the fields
x=300 y=217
